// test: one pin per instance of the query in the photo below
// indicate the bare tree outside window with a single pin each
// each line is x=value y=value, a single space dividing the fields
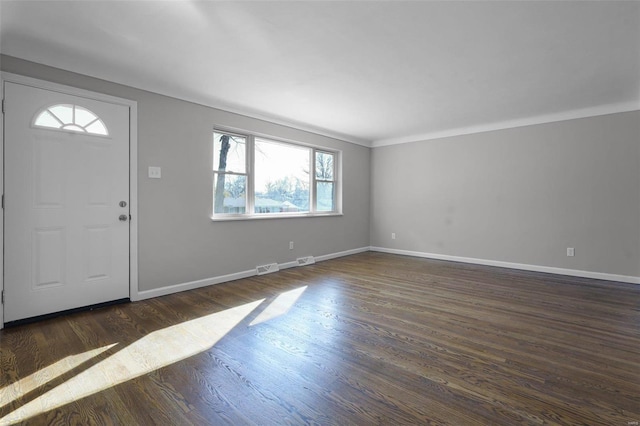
x=230 y=172
x=325 y=185
x=222 y=167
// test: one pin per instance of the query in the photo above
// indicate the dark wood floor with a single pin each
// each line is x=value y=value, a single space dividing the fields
x=372 y=339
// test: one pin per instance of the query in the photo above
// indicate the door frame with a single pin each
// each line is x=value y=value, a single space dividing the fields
x=133 y=168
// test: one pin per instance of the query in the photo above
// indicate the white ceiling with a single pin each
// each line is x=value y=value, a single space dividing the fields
x=369 y=72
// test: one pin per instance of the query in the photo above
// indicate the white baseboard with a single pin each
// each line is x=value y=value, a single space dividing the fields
x=342 y=254
x=510 y=265
x=163 y=291
x=191 y=285
x=287 y=265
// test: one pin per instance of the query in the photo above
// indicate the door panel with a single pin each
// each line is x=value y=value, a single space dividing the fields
x=48 y=259
x=98 y=253
x=64 y=244
x=49 y=164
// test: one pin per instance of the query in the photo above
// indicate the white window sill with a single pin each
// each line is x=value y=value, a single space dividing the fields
x=232 y=217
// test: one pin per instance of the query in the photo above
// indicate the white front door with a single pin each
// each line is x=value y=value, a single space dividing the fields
x=66 y=202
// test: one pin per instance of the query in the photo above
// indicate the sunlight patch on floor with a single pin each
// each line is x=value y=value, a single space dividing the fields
x=43 y=376
x=154 y=351
x=279 y=306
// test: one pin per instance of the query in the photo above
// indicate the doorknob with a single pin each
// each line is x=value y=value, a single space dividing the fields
x=123 y=218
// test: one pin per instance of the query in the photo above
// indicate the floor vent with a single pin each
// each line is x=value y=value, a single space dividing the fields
x=267 y=269
x=307 y=260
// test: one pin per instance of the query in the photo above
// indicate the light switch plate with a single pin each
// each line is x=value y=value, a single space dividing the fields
x=155 y=172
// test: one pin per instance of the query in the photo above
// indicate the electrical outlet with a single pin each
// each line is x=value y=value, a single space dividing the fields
x=393 y=235
x=290 y=245
x=571 y=251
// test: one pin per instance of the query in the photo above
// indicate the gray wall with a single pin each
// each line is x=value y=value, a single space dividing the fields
x=177 y=241
x=520 y=195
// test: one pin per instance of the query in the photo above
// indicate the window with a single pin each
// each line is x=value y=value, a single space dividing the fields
x=229 y=173
x=72 y=118
x=259 y=177
x=325 y=183
x=281 y=177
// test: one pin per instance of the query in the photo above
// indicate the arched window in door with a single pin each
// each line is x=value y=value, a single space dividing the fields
x=74 y=118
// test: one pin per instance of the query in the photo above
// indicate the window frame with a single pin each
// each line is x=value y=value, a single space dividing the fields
x=248 y=203
x=250 y=213
x=315 y=180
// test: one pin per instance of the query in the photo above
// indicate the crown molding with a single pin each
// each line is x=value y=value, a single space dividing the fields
x=510 y=124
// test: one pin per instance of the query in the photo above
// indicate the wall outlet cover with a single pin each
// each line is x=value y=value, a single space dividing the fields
x=155 y=172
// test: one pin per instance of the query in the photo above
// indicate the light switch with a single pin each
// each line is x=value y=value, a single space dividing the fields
x=155 y=172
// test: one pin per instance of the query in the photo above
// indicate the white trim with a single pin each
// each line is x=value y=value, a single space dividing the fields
x=341 y=254
x=2 y=209
x=133 y=163
x=192 y=285
x=288 y=265
x=510 y=265
x=133 y=197
x=510 y=124
x=226 y=217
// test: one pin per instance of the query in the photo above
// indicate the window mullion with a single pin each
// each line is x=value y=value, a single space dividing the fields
x=251 y=193
x=337 y=183
x=312 y=186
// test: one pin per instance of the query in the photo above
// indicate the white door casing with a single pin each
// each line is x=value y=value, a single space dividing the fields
x=2 y=210
x=64 y=243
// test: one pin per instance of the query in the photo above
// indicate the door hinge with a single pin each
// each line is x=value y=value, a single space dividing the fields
x=2 y=301
x=3 y=106
x=2 y=201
